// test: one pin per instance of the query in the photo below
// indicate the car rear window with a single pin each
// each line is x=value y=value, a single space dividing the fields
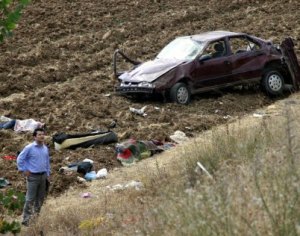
x=242 y=44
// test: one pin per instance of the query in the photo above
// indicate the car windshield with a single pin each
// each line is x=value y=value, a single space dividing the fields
x=181 y=49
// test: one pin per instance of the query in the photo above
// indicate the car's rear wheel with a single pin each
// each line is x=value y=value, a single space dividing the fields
x=273 y=82
x=180 y=93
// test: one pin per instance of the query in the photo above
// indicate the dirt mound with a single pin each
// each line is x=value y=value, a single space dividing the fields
x=57 y=68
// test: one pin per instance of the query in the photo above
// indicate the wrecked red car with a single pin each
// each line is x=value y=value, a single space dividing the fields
x=209 y=61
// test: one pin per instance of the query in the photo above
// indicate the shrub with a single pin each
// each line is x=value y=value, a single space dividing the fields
x=11 y=203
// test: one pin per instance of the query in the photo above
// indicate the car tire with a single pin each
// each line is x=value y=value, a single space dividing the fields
x=180 y=94
x=273 y=82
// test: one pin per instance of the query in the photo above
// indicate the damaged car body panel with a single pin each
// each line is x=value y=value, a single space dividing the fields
x=208 y=61
x=289 y=55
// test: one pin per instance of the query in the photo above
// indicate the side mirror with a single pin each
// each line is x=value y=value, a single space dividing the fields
x=204 y=58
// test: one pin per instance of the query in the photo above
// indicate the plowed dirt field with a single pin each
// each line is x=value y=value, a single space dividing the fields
x=57 y=68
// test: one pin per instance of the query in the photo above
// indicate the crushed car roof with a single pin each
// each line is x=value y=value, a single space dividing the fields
x=212 y=35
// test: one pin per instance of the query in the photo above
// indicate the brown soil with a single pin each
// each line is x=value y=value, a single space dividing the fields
x=57 y=68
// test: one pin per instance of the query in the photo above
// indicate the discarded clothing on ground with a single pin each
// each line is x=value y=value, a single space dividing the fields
x=85 y=140
x=101 y=173
x=84 y=167
x=4 y=182
x=8 y=124
x=27 y=125
x=20 y=125
x=179 y=137
x=4 y=119
x=90 y=175
x=9 y=157
x=133 y=150
x=68 y=170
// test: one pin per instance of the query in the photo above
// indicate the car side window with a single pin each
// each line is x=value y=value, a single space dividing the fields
x=216 y=49
x=242 y=44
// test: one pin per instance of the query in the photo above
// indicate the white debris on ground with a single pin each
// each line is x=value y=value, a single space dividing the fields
x=179 y=137
x=137 y=185
x=140 y=112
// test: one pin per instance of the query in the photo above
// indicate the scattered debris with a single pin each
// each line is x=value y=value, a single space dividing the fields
x=86 y=195
x=140 y=112
x=134 y=184
x=90 y=176
x=67 y=170
x=258 y=115
x=137 y=185
x=84 y=167
x=88 y=160
x=4 y=119
x=20 y=125
x=116 y=187
x=203 y=169
x=9 y=157
x=131 y=150
x=226 y=117
x=84 y=140
x=80 y=179
x=27 y=125
x=101 y=173
x=112 y=125
x=179 y=137
x=4 y=182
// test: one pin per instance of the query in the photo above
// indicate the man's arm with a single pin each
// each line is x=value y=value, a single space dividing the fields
x=22 y=159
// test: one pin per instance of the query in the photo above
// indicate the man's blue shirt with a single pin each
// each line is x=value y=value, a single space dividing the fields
x=34 y=158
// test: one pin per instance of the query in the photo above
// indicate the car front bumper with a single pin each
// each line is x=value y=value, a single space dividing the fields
x=133 y=89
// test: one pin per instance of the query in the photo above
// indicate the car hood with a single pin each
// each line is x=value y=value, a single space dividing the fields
x=150 y=70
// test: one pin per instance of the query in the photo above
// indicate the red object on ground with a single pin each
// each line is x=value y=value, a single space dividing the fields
x=10 y=157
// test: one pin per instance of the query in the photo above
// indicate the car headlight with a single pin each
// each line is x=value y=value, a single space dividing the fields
x=146 y=85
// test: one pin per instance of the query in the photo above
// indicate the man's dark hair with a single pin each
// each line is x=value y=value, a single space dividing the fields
x=36 y=130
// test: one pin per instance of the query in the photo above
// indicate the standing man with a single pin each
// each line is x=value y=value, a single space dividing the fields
x=34 y=162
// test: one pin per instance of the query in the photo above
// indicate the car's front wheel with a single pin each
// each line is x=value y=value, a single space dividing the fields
x=180 y=93
x=273 y=82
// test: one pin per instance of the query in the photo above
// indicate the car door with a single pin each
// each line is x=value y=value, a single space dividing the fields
x=288 y=52
x=212 y=68
x=247 y=58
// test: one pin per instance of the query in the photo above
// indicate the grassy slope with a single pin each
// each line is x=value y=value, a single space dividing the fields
x=254 y=191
